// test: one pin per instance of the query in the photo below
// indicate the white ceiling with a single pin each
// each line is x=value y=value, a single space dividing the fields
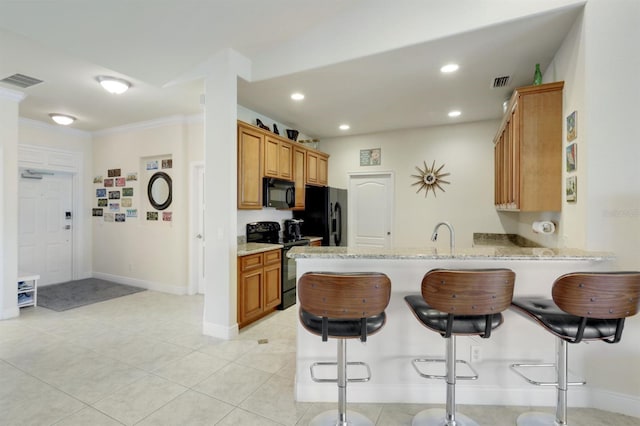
x=371 y=63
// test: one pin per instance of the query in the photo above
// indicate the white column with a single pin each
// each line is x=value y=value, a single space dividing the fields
x=9 y=101
x=220 y=223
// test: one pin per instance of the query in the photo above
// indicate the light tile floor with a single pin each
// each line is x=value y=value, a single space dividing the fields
x=142 y=360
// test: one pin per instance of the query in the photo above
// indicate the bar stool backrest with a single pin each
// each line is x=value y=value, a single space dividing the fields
x=602 y=295
x=469 y=291
x=344 y=295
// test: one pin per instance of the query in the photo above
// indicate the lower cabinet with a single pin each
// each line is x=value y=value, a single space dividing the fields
x=259 y=287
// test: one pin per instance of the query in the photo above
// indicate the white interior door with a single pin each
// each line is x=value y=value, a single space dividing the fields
x=371 y=209
x=198 y=244
x=45 y=231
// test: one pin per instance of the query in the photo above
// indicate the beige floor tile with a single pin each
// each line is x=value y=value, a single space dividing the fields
x=88 y=416
x=240 y=417
x=230 y=349
x=191 y=369
x=274 y=400
x=233 y=383
x=138 y=400
x=191 y=408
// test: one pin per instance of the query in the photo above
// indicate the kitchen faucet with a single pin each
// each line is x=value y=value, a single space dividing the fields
x=452 y=235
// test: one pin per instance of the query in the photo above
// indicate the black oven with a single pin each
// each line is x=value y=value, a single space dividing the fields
x=269 y=232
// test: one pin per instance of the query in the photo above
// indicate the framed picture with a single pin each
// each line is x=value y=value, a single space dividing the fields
x=166 y=216
x=120 y=181
x=572 y=189
x=572 y=157
x=370 y=157
x=114 y=195
x=127 y=192
x=167 y=164
x=572 y=126
x=120 y=217
x=132 y=212
x=97 y=179
x=113 y=172
x=101 y=192
x=114 y=207
x=132 y=176
x=102 y=202
x=126 y=202
x=97 y=212
x=152 y=215
x=108 y=217
x=152 y=165
x=108 y=182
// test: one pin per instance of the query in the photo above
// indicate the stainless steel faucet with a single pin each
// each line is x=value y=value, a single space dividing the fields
x=452 y=234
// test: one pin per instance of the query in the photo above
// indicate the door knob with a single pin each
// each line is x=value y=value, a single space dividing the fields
x=388 y=233
x=199 y=236
x=66 y=227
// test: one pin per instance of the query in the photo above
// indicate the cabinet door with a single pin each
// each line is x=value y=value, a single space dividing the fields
x=249 y=168
x=299 y=175
x=323 y=170
x=285 y=160
x=250 y=295
x=312 y=168
x=271 y=156
x=272 y=286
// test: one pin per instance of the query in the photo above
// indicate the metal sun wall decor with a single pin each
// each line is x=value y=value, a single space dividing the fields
x=430 y=178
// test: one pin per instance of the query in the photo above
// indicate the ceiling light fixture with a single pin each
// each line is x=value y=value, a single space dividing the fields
x=449 y=68
x=114 y=85
x=62 y=119
x=344 y=127
x=454 y=113
x=297 y=96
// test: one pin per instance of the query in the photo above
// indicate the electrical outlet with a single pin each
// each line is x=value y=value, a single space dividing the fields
x=475 y=353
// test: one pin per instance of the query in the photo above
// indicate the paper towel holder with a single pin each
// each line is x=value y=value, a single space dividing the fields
x=543 y=227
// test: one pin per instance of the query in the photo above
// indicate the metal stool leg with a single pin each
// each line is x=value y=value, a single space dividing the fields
x=339 y=417
x=447 y=417
x=562 y=370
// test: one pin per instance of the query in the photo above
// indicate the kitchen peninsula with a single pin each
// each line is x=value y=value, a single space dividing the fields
x=389 y=352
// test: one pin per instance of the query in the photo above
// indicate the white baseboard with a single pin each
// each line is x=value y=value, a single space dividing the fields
x=149 y=285
x=615 y=402
x=219 y=331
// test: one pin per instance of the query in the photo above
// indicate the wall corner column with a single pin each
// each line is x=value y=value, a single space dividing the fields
x=220 y=222
x=9 y=108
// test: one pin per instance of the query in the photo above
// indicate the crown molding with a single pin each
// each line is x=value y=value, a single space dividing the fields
x=12 y=95
x=52 y=127
x=150 y=124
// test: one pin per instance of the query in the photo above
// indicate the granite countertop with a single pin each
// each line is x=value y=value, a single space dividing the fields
x=476 y=253
x=246 y=249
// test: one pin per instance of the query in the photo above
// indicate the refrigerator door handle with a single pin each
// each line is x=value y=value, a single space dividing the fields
x=337 y=237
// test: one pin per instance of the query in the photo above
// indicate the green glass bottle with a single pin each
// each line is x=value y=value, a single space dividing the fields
x=537 y=77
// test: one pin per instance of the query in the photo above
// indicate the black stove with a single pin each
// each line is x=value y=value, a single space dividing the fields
x=269 y=232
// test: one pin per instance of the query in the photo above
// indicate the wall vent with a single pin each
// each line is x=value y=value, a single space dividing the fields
x=21 y=80
x=500 y=81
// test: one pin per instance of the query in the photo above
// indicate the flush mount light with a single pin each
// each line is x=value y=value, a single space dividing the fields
x=454 y=113
x=114 y=85
x=344 y=127
x=62 y=119
x=297 y=96
x=449 y=68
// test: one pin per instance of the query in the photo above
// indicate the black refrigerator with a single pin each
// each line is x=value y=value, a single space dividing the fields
x=325 y=214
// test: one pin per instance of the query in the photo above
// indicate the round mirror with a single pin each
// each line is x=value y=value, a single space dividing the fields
x=159 y=190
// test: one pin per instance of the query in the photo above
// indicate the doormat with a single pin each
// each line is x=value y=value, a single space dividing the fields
x=73 y=294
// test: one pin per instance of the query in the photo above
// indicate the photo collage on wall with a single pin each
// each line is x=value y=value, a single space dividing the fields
x=114 y=196
x=571 y=155
x=158 y=169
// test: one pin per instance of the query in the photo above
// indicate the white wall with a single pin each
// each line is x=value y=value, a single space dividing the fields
x=140 y=252
x=466 y=150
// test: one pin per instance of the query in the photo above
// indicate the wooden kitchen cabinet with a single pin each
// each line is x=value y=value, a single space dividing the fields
x=250 y=147
x=317 y=168
x=299 y=175
x=259 y=285
x=528 y=151
x=278 y=158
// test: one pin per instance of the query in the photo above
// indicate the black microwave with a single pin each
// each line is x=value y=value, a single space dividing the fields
x=278 y=193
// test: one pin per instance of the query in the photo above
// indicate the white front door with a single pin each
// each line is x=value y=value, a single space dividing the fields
x=197 y=263
x=45 y=227
x=371 y=209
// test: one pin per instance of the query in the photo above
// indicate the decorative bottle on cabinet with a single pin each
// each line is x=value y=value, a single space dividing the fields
x=537 y=77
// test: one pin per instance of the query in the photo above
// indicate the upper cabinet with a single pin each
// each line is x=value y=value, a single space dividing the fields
x=250 y=146
x=317 y=168
x=528 y=151
x=264 y=154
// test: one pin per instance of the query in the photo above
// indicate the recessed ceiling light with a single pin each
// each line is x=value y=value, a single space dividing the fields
x=297 y=96
x=344 y=127
x=114 y=85
x=449 y=68
x=454 y=113
x=62 y=119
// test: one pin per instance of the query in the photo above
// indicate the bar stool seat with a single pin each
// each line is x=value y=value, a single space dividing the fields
x=585 y=306
x=453 y=303
x=343 y=306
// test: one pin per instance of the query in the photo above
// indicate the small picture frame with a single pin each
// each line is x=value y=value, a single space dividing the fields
x=572 y=158
x=120 y=181
x=97 y=212
x=108 y=182
x=572 y=126
x=371 y=157
x=572 y=189
x=102 y=202
x=113 y=172
x=114 y=195
x=127 y=192
x=101 y=192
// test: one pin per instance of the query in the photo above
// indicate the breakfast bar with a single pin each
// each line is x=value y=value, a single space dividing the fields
x=389 y=352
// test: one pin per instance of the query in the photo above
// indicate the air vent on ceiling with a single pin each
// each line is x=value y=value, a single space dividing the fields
x=21 y=80
x=500 y=81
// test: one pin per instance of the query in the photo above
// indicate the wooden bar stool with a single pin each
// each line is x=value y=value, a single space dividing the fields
x=465 y=302
x=343 y=306
x=585 y=306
